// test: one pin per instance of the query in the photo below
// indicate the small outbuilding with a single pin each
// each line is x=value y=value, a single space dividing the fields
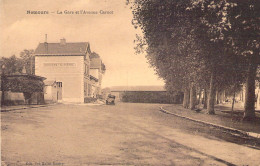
x=20 y=88
x=51 y=91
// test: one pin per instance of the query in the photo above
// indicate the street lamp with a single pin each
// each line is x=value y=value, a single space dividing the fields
x=2 y=84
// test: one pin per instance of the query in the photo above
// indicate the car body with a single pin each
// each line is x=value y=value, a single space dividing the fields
x=110 y=100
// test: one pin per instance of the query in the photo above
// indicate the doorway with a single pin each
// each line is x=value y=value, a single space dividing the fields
x=59 y=91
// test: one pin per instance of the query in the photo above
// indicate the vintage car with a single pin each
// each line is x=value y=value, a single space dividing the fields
x=110 y=99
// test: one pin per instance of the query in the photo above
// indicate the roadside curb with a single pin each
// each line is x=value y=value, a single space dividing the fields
x=22 y=108
x=250 y=134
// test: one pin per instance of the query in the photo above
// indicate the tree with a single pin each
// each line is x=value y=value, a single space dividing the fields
x=28 y=60
x=173 y=36
x=12 y=65
x=193 y=43
x=171 y=48
x=23 y=84
x=238 y=28
x=103 y=66
x=244 y=19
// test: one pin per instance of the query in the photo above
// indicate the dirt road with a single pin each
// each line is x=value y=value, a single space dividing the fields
x=125 y=134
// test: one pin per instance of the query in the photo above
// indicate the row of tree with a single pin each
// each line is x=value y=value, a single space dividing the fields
x=201 y=45
x=16 y=64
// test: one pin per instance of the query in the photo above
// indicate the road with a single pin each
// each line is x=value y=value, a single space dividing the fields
x=124 y=134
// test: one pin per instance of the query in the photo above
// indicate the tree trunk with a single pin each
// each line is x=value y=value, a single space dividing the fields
x=2 y=98
x=2 y=88
x=249 y=113
x=217 y=97
x=192 y=97
x=244 y=95
x=199 y=100
x=31 y=65
x=205 y=99
x=186 y=98
x=212 y=95
x=224 y=96
x=221 y=97
x=233 y=103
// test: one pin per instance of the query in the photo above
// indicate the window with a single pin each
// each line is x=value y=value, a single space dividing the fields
x=59 y=84
x=89 y=89
x=85 y=89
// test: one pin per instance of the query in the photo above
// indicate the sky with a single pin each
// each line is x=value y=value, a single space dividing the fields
x=109 y=35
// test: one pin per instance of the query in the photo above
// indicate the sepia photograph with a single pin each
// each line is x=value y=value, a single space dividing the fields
x=130 y=82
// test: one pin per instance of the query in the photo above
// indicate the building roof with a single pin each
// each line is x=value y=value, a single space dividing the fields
x=49 y=82
x=94 y=55
x=137 y=88
x=23 y=75
x=95 y=63
x=79 y=48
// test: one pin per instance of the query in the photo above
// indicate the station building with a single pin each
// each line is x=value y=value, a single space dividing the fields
x=67 y=64
x=96 y=72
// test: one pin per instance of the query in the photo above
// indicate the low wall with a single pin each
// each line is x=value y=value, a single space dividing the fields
x=36 y=98
x=13 y=98
x=89 y=100
x=18 y=98
x=150 y=97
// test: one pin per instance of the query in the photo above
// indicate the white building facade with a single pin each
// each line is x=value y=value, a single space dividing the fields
x=96 y=72
x=68 y=64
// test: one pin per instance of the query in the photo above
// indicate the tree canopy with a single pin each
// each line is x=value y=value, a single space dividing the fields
x=208 y=44
x=16 y=65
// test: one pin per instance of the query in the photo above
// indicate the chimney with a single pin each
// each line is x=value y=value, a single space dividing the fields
x=45 y=38
x=63 y=41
